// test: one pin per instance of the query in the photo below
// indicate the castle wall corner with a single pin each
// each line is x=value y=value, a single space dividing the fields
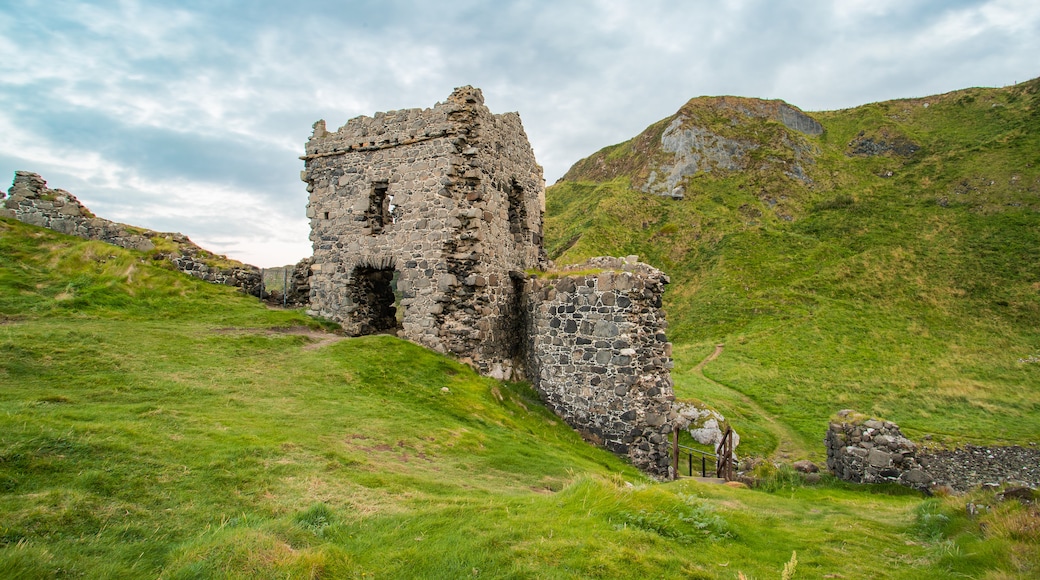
x=599 y=357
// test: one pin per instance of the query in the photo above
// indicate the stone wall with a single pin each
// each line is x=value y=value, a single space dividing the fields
x=30 y=201
x=864 y=450
x=299 y=290
x=425 y=223
x=598 y=355
x=443 y=207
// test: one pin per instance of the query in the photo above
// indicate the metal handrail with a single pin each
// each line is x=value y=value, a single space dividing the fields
x=727 y=473
x=693 y=450
x=705 y=456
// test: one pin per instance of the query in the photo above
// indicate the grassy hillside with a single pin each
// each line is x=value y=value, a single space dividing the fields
x=897 y=276
x=152 y=425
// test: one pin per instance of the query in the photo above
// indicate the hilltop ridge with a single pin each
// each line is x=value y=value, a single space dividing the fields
x=883 y=262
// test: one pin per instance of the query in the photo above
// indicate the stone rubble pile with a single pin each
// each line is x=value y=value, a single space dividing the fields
x=30 y=201
x=864 y=450
x=972 y=466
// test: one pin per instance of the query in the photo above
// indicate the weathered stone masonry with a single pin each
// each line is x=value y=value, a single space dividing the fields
x=599 y=356
x=445 y=205
x=865 y=450
x=448 y=202
x=30 y=200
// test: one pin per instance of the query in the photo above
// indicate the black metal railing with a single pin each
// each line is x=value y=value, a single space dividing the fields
x=702 y=457
x=722 y=462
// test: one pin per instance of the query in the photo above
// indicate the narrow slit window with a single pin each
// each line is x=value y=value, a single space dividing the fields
x=517 y=210
x=379 y=206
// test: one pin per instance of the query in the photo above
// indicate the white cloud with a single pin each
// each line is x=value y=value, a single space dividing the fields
x=173 y=115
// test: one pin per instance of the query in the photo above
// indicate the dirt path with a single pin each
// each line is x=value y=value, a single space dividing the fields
x=789 y=447
x=318 y=338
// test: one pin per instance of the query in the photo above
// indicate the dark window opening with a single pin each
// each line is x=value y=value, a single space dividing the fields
x=517 y=316
x=326 y=215
x=517 y=211
x=376 y=300
x=380 y=205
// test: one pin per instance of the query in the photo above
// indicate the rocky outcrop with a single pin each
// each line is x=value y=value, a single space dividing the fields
x=706 y=426
x=711 y=135
x=884 y=142
x=30 y=200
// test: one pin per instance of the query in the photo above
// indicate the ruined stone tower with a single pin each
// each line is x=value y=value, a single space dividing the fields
x=423 y=221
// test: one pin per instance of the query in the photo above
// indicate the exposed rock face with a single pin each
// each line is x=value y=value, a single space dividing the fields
x=882 y=142
x=872 y=451
x=706 y=426
x=695 y=149
x=30 y=201
x=698 y=143
x=598 y=355
x=446 y=205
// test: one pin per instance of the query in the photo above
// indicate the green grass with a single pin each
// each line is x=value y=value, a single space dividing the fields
x=901 y=286
x=152 y=425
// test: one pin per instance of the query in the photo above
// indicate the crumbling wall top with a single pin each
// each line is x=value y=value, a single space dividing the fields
x=400 y=127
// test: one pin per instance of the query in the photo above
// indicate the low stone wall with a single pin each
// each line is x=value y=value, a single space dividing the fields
x=299 y=291
x=598 y=355
x=30 y=201
x=864 y=450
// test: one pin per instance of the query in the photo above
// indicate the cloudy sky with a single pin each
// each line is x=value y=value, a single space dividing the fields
x=190 y=116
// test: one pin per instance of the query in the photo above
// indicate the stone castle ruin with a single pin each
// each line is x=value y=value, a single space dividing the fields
x=443 y=204
x=428 y=223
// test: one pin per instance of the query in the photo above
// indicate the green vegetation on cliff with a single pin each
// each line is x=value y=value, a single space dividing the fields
x=896 y=272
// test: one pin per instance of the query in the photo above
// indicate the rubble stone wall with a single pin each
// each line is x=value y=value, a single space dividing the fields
x=30 y=200
x=863 y=450
x=447 y=201
x=598 y=355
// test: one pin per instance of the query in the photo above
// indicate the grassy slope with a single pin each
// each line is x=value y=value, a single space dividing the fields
x=913 y=295
x=152 y=426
